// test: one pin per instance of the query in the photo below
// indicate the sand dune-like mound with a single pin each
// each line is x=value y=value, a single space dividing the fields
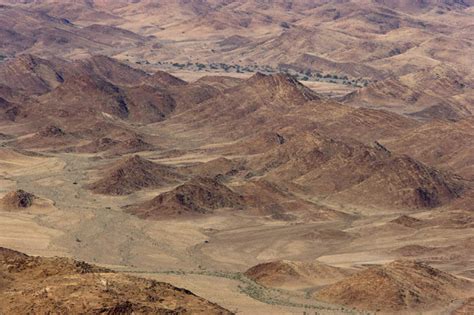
x=198 y=196
x=132 y=174
x=397 y=286
x=295 y=274
x=17 y=200
x=62 y=285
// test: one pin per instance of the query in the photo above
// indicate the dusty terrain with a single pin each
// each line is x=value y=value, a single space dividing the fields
x=199 y=205
x=273 y=157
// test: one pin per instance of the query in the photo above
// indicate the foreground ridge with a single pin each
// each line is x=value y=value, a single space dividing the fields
x=44 y=285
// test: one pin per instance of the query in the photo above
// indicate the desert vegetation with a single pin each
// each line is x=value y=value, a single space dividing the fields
x=303 y=75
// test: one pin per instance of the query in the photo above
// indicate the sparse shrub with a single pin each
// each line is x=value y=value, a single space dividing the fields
x=179 y=65
x=200 y=66
x=285 y=25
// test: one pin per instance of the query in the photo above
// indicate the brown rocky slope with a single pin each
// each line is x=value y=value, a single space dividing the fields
x=200 y=195
x=61 y=285
x=397 y=286
x=350 y=171
x=293 y=274
x=132 y=174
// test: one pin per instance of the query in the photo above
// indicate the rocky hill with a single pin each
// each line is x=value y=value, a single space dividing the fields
x=16 y=200
x=198 y=196
x=293 y=274
x=352 y=171
x=132 y=174
x=44 y=285
x=395 y=287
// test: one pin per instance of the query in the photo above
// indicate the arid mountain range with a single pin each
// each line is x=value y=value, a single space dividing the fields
x=272 y=157
x=416 y=53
